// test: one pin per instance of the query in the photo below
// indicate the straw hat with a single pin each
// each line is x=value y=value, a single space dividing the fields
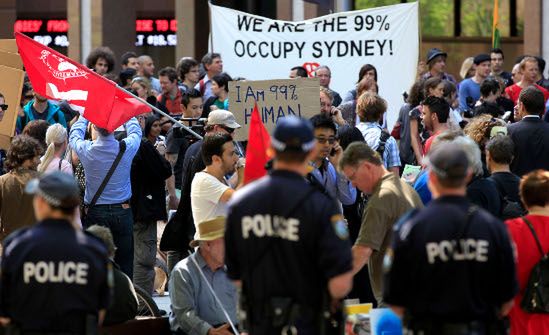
x=209 y=230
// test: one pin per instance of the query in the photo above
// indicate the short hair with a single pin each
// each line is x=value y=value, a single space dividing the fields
x=533 y=100
x=501 y=149
x=325 y=67
x=168 y=72
x=300 y=71
x=370 y=107
x=357 y=152
x=125 y=59
x=497 y=51
x=222 y=80
x=213 y=145
x=534 y=188
x=105 y=235
x=489 y=86
x=37 y=129
x=365 y=68
x=321 y=121
x=527 y=59
x=490 y=108
x=22 y=147
x=438 y=106
x=185 y=65
x=126 y=75
x=430 y=83
x=349 y=134
x=470 y=148
x=190 y=94
x=101 y=52
x=102 y=131
x=327 y=92
x=209 y=58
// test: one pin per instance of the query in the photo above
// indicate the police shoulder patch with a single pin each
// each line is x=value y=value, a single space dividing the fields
x=340 y=226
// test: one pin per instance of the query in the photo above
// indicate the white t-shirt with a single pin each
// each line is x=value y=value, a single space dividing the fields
x=206 y=190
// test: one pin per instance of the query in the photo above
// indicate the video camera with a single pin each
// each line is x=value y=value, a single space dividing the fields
x=196 y=125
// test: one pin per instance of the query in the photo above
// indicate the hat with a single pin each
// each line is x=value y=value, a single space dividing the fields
x=449 y=161
x=209 y=230
x=59 y=189
x=293 y=133
x=481 y=58
x=222 y=117
x=433 y=53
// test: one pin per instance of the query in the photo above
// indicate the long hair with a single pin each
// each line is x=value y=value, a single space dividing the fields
x=56 y=136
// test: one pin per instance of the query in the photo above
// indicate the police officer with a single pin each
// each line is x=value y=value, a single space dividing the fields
x=54 y=276
x=286 y=242
x=451 y=268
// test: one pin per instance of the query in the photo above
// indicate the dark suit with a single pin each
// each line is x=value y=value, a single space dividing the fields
x=531 y=138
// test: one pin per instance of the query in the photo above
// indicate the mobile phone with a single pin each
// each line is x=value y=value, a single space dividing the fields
x=333 y=152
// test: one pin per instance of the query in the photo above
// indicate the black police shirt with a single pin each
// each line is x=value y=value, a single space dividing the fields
x=284 y=239
x=439 y=269
x=52 y=276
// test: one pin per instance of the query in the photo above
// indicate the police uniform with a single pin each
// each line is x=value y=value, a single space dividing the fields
x=451 y=267
x=284 y=240
x=54 y=278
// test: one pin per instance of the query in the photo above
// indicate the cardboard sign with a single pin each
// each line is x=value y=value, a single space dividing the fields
x=275 y=99
x=10 y=59
x=8 y=45
x=10 y=87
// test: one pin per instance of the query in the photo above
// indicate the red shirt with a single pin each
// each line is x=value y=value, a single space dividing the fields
x=428 y=143
x=528 y=255
x=513 y=92
x=173 y=106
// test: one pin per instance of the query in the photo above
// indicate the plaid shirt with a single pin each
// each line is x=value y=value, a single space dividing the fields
x=372 y=132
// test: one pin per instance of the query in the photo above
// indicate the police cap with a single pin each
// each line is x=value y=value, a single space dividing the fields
x=293 y=133
x=58 y=189
x=448 y=161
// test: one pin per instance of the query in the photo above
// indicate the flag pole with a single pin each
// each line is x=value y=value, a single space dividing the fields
x=160 y=112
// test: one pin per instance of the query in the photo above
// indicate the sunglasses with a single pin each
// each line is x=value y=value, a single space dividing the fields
x=4 y=107
x=322 y=140
x=229 y=130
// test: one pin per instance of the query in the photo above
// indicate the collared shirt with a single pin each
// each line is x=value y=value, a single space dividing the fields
x=372 y=133
x=194 y=308
x=207 y=82
x=335 y=183
x=97 y=157
x=531 y=117
x=155 y=84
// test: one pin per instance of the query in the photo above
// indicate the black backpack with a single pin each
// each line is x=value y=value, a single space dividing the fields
x=509 y=209
x=536 y=294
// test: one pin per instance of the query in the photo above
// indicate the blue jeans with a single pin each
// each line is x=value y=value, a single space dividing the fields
x=120 y=221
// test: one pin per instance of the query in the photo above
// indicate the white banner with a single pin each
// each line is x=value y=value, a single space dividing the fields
x=258 y=48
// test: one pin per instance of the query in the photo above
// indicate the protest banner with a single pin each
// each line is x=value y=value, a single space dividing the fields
x=258 y=48
x=275 y=99
x=11 y=59
x=10 y=87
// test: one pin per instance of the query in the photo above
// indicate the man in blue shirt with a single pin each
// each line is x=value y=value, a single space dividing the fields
x=470 y=87
x=113 y=207
x=334 y=183
x=194 y=308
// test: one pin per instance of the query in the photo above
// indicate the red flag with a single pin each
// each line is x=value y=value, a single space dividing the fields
x=56 y=76
x=256 y=151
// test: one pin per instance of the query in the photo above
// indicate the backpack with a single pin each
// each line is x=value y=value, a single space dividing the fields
x=383 y=137
x=509 y=209
x=536 y=293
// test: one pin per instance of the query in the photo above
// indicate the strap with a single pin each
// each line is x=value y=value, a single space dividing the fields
x=122 y=146
x=383 y=137
x=531 y=227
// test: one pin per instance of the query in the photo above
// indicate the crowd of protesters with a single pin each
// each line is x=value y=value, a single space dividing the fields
x=131 y=179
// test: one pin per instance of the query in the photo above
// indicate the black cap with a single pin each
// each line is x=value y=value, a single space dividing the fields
x=59 y=189
x=433 y=53
x=449 y=161
x=293 y=133
x=481 y=58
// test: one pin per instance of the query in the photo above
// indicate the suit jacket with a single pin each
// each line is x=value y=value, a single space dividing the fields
x=531 y=138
